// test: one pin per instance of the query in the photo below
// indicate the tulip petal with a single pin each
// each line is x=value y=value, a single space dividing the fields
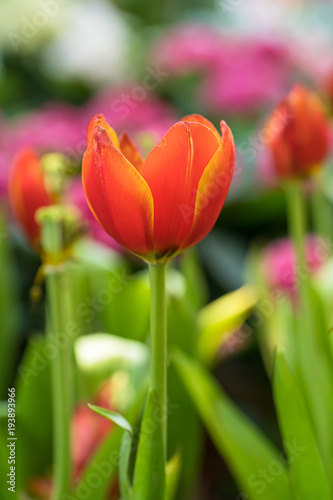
x=100 y=121
x=27 y=191
x=277 y=130
x=201 y=119
x=309 y=131
x=213 y=188
x=118 y=196
x=130 y=152
x=173 y=170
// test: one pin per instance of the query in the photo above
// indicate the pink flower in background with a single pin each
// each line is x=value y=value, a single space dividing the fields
x=136 y=109
x=279 y=263
x=5 y=160
x=239 y=75
x=76 y=196
x=55 y=127
x=256 y=73
x=190 y=47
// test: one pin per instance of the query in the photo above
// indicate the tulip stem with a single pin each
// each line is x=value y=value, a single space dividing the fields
x=297 y=220
x=60 y=345
x=296 y=211
x=61 y=387
x=159 y=341
x=321 y=211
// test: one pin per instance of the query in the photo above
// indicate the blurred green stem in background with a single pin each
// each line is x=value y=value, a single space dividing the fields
x=296 y=210
x=307 y=334
x=54 y=225
x=159 y=342
x=322 y=211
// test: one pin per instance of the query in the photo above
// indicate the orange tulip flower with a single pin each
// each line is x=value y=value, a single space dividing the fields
x=297 y=133
x=27 y=192
x=159 y=206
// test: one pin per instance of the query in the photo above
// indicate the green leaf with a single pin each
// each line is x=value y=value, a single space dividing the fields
x=248 y=453
x=124 y=462
x=149 y=473
x=125 y=448
x=221 y=317
x=315 y=357
x=307 y=471
x=173 y=470
x=185 y=430
x=117 y=418
x=105 y=460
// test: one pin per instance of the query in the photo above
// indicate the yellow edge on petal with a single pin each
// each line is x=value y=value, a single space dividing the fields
x=100 y=121
x=142 y=183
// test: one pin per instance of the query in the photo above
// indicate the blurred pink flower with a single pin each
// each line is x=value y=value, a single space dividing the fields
x=54 y=127
x=136 y=109
x=189 y=47
x=279 y=263
x=5 y=159
x=239 y=74
x=256 y=73
x=75 y=196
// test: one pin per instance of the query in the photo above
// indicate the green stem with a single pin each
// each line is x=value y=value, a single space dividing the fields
x=311 y=340
x=296 y=210
x=61 y=378
x=304 y=334
x=159 y=341
x=321 y=211
x=53 y=221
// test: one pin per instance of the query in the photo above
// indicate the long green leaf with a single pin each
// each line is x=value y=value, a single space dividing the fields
x=115 y=417
x=307 y=471
x=149 y=472
x=104 y=464
x=255 y=463
x=220 y=318
x=125 y=448
x=124 y=463
x=173 y=470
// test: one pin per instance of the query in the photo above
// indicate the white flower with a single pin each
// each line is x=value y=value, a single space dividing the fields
x=92 y=45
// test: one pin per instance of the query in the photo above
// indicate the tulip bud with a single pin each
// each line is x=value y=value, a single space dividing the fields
x=28 y=192
x=297 y=134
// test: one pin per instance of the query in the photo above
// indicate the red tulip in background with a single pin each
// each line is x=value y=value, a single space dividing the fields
x=159 y=206
x=27 y=191
x=297 y=133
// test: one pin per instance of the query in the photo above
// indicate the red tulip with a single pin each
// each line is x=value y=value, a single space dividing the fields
x=27 y=191
x=297 y=133
x=159 y=206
